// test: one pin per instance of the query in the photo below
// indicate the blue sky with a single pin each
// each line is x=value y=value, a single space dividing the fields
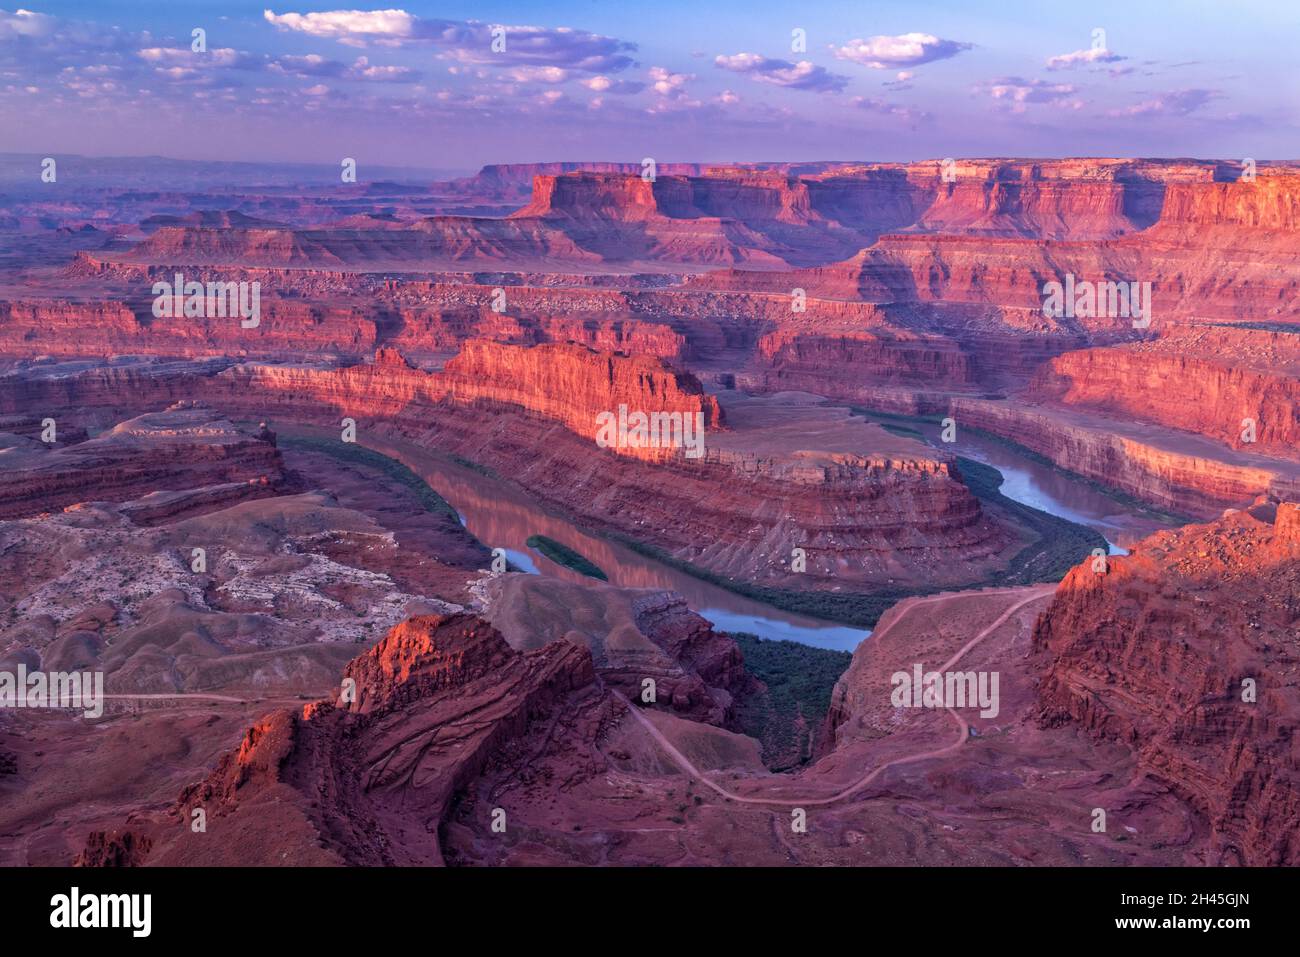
x=419 y=83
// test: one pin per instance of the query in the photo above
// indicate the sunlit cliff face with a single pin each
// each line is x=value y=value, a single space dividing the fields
x=749 y=399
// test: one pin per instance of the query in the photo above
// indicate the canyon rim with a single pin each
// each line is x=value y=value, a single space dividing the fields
x=621 y=437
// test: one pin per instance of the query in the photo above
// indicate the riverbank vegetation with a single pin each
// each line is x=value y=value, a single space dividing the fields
x=786 y=717
x=360 y=455
x=862 y=608
x=907 y=426
x=562 y=554
x=1060 y=544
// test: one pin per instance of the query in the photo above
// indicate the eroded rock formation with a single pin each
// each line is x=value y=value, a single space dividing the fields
x=1185 y=651
x=369 y=781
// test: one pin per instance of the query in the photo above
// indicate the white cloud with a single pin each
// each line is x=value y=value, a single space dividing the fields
x=671 y=88
x=907 y=49
x=603 y=84
x=1017 y=92
x=538 y=74
x=363 y=69
x=347 y=24
x=1092 y=55
x=1173 y=103
x=224 y=57
x=803 y=75
x=467 y=41
x=667 y=83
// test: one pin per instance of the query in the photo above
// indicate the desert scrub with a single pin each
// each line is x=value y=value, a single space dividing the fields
x=799 y=679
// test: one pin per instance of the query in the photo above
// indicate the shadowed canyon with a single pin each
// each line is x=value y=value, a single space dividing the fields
x=563 y=514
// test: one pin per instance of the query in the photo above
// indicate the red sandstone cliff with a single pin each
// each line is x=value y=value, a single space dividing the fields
x=1270 y=202
x=850 y=364
x=574 y=385
x=1180 y=472
x=1204 y=379
x=1156 y=652
x=370 y=782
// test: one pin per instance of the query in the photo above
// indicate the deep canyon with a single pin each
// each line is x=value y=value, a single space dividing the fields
x=304 y=552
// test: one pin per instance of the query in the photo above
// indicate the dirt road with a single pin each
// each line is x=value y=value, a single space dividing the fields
x=685 y=764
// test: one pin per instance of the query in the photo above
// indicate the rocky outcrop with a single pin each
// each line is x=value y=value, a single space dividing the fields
x=852 y=364
x=440 y=240
x=33 y=327
x=370 y=777
x=285 y=328
x=182 y=448
x=115 y=389
x=635 y=636
x=119 y=848
x=514 y=182
x=1051 y=209
x=430 y=322
x=592 y=195
x=1269 y=202
x=1184 y=652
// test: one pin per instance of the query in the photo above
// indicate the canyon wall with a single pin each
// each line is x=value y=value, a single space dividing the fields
x=848 y=365
x=574 y=385
x=1270 y=202
x=1198 y=478
x=738 y=510
x=371 y=782
x=286 y=327
x=433 y=326
x=178 y=449
x=1158 y=652
x=1204 y=380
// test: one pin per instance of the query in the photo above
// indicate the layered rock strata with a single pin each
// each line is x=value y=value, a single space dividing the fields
x=1185 y=651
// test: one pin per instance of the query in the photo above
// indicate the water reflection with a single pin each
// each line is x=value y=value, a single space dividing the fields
x=1053 y=491
x=502 y=516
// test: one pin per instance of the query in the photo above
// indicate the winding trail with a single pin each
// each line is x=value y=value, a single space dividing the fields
x=686 y=765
